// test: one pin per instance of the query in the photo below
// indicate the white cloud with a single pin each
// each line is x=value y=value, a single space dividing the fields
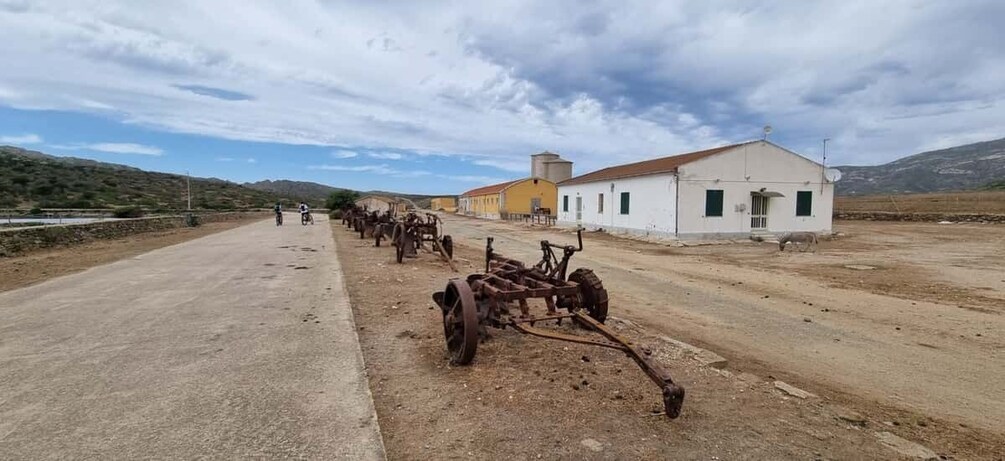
x=385 y=155
x=123 y=148
x=225 y=159
x=21 y=139
x=381 y=169
x=252 y=160
x=514 y=165
x=344 y=154
x=111 y=148
x=616 y=80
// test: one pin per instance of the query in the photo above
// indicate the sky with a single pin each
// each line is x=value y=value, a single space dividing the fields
x=439 y=97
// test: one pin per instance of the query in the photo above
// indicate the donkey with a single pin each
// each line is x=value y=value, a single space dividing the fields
x=802 y=240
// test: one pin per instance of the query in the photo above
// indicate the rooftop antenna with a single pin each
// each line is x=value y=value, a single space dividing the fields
x=767 y=131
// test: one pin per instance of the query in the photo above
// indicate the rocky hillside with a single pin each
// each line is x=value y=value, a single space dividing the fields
x=33 y=179
x=969 y=167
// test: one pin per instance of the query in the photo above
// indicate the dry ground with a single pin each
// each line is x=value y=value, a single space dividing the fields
x=910 y=363
x=31 y=268
x=938 y=202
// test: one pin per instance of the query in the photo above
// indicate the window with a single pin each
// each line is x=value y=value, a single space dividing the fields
x=713 y=202
x=625 y=199
x=600 y=203
x=804 y=203
x=565 y=203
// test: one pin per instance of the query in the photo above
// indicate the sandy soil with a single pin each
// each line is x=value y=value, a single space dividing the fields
x=530 y=398
x=32 y=268
x=910 y=362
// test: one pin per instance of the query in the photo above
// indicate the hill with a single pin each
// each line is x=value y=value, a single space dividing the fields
x=33 y=179
x=968 y=167
x=311 y=192
x=318 y=193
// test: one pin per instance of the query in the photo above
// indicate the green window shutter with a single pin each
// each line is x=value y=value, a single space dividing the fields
x=565 y=203
x=625 y=200
x=713 y=202
x=804 y=203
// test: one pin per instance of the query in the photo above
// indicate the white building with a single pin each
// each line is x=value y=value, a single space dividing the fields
x=755 y=187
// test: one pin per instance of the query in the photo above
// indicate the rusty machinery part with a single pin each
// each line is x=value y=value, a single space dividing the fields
x=448 y=246
x=460 y=321
x=490 y=299
x=592 y=295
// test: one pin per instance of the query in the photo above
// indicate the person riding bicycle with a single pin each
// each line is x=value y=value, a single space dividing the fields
x=305 y=213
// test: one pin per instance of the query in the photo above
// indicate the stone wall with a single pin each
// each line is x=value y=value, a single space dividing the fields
x=18 y=241
x=920 y=217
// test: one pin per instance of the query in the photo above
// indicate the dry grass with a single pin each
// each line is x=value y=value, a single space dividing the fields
x=942 y=202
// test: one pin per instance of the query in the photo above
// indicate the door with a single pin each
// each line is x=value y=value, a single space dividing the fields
x=579 y=209
x=758 y=211
x=535 y=204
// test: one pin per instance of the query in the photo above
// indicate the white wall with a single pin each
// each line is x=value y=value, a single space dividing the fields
x=651 y=209
x=743 y=170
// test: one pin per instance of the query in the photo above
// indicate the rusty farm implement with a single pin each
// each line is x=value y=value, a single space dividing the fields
x=490 y=299
x=413 y=232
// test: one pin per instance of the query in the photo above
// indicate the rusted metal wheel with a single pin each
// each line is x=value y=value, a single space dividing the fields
x=460 y=322
x=448 y=246
x=592 y=295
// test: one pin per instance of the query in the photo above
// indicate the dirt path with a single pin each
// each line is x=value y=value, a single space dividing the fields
x=529 y=398
x=932 y=368
x=21 y=271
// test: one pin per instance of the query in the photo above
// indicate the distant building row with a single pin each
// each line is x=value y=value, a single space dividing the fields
x=731 y=191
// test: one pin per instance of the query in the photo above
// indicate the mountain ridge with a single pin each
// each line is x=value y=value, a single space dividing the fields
x=967 y=167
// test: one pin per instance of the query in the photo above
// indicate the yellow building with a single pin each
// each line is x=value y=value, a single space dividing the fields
x=448 y=204
x=520 y=197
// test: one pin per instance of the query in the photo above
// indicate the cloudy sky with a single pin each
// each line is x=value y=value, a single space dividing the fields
x=440 y=97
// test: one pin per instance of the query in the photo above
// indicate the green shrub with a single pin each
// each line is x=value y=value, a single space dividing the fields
x=35 y=211
x=128 y=212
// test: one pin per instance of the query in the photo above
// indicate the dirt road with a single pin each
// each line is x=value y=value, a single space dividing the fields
x=530 y=398
x=900 y=357
x=236 y=345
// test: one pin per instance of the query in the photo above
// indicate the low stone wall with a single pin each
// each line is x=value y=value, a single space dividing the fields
x=24 y=240
x=920 y=217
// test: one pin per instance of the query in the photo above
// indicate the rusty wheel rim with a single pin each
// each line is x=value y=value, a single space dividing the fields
x=460 y=322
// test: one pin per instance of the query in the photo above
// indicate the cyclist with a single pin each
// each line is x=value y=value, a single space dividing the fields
x=279 y=213
x=305 y=214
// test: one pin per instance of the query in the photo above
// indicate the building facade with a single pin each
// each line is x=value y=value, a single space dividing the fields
x=448 y=204
x=752 y=188
x=523 y=196
x=380 y=204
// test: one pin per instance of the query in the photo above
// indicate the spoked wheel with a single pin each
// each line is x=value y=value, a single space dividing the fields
x=592 y=295
x=460 y=322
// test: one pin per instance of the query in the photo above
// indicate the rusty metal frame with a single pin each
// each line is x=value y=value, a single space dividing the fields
x=489 y=296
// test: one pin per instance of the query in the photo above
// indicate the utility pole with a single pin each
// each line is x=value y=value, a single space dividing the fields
x=823 y=167
x=188 y=189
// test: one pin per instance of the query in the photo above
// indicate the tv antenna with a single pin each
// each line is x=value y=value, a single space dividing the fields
x=767 y=131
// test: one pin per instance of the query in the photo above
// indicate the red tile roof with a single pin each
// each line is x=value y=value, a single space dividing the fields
x=647 y=167
x=493 y=189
